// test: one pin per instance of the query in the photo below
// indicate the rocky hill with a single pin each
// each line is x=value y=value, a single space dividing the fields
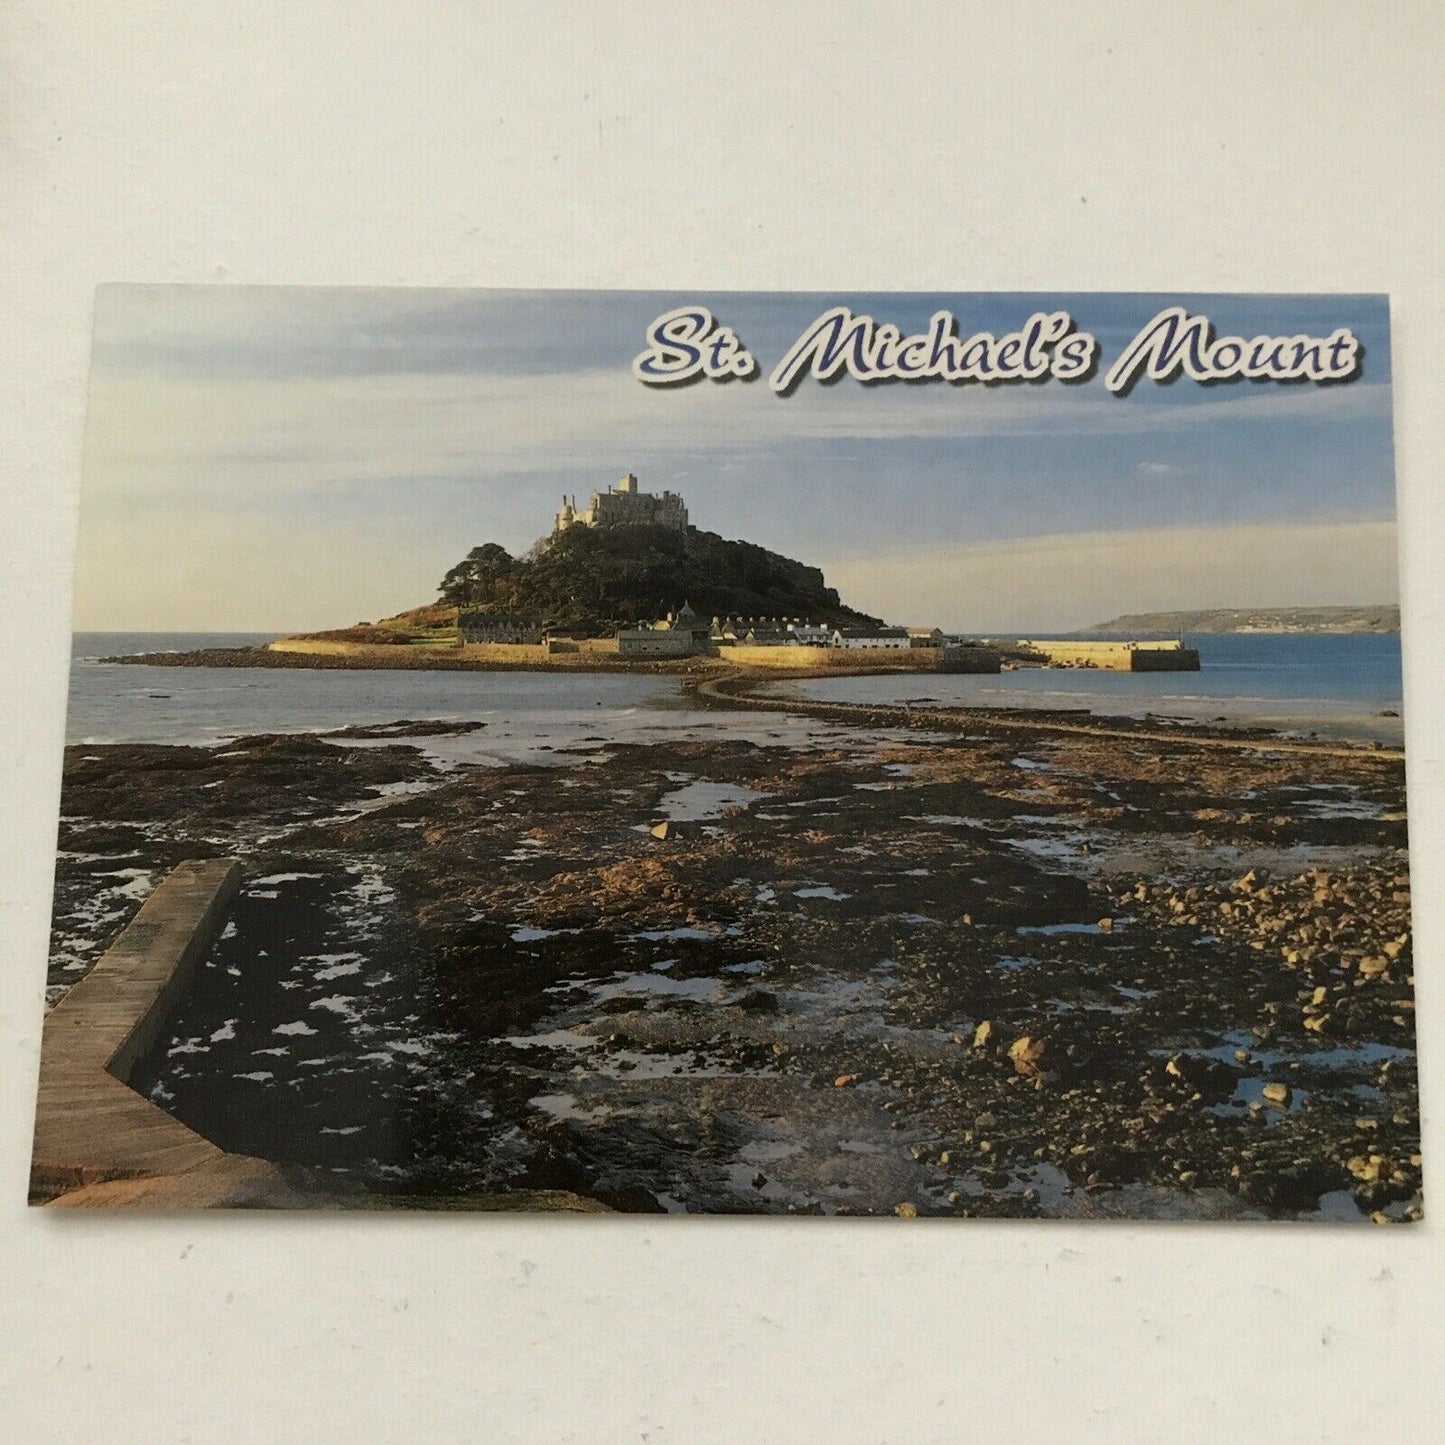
x=590 y=580
x=1382 y=618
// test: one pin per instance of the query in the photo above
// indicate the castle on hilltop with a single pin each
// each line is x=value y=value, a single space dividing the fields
x=625 y=505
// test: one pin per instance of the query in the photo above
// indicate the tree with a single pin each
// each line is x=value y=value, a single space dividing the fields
x=482 y=578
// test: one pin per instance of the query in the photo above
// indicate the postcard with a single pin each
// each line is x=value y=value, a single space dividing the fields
x=889 y=754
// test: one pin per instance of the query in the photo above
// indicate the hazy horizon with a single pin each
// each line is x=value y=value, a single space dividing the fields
x=284 y=459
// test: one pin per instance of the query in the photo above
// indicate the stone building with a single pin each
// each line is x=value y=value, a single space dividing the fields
x=679 y=634
x=625 y=505
x=769 y=632
x=871 y=638
x=498 y=627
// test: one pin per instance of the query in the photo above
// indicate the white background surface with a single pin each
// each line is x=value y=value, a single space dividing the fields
x=1114 y=147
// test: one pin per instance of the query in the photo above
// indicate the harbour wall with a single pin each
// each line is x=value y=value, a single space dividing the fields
x=1165 y=656
x=863 y=659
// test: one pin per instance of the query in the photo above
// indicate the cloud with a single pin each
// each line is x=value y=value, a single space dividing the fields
x=1061 y=582
x=348 y=444
x=199 y=437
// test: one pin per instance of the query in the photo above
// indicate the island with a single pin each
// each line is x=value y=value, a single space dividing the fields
x=628 y=583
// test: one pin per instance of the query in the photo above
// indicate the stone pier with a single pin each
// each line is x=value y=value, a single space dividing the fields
x=98 y=1143
x=96 y=1140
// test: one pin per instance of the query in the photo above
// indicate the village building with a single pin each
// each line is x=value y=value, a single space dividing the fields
x=624 y=505
x=768 y=632
x=679 y=634
x=810 y=634
x=871 y=638
x=652 y=642
x=925 y=636
x=475 y=627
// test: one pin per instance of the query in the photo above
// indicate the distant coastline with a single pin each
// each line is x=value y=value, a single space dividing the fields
x=1382 y=618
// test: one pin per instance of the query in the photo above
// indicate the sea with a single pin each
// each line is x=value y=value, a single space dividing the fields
x=1333 y=686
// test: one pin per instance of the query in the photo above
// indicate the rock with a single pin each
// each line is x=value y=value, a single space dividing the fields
x=1373 y=967
x=1026 y=1054
x=659 y=830
x=1365 y=1168
x=982 y=1034
x=843 y=1080
x=1106 y=925
x=759 y=1179
x=906 y=1210
x=1277 y=1093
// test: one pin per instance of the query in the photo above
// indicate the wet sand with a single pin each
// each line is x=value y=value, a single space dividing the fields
x=953 y=963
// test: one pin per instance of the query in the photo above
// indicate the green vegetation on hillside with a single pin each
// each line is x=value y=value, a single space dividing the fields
x=592 y=579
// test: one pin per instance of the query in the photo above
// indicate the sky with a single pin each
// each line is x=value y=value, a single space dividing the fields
x=284 y=459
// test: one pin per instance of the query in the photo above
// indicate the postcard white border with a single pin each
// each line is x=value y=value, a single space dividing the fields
x=1121 y=147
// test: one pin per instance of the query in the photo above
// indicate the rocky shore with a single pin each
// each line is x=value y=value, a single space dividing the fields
x=941 y=964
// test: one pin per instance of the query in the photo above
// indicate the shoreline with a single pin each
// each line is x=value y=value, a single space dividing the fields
x=740 y=691
x=943 y=962
x=764 y=689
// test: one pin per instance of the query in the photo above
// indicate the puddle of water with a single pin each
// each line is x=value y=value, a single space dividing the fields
x=694 y=802
x=564 y=1107
x=1054 y=849
x=1353 y=1056
x=945 y=820
x=684 y=934
x=1251 y=1091
x=1051 y=929
x=821 y=891
x=622 y=985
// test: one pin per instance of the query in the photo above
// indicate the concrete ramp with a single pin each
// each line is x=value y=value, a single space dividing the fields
x=99 y=1144
x=90 y=1126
